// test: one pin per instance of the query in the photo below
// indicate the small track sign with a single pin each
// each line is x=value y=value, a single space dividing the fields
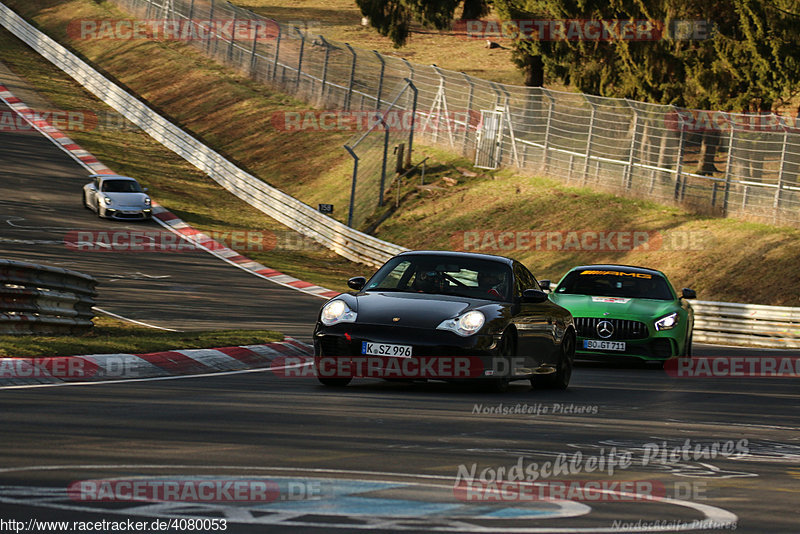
x=326 y=208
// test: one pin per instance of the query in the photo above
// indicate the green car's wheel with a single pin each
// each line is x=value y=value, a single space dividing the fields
x=560 y=379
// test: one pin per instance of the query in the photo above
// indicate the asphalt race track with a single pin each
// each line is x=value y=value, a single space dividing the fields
x=41 y=207
x=379 y=456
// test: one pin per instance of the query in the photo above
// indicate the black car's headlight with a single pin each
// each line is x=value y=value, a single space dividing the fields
x=668 y=322
x=337 y=311
x=464 y=325
x=147 y=201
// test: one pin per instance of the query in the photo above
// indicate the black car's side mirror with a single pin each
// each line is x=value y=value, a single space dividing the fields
x=545 y=285
x=357 y=283
x=687 y=293
x=534 y=296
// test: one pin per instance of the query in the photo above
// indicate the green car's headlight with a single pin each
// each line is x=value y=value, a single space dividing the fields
x=464 y=325
x=336 y=311
x=668 y=322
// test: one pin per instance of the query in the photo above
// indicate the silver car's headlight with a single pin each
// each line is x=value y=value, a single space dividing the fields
x=337 y=311
x=668 y=322
x=464 y=325
x=108 y=201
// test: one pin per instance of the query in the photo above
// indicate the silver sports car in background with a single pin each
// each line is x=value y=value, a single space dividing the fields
x=116 y=197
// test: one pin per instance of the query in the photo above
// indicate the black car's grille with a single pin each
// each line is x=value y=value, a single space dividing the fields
x=621 y=328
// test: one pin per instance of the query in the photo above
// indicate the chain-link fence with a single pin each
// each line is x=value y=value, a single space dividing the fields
x=744 y=165
x=379 y=154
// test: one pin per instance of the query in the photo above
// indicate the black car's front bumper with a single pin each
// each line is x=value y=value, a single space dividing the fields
x=435 y=354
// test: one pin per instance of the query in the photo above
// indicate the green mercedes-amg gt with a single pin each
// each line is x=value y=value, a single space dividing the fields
x=621 y=310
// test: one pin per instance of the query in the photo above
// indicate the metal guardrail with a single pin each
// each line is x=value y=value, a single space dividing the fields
x=746 y=324
x=301 y=217
x=44 y=300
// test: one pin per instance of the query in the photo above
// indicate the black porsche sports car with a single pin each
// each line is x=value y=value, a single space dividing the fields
x=447 y=316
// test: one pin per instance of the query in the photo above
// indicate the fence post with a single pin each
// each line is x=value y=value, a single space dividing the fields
x=629 y=168
x=385 y=157
x=300 y=60
x=211 y=23
x=253 y=55
x=470 y=96
x=233 y=34
x=324 y=68
x=728 y=160
x=777 y=202
x=191 y=13
x=507 y=117
x=588 y=142
x=277 y=50
x=679 y=163
x=380 y=81
x=413 y=121
x=546 y=144
x=352 y=185
x=352 y=78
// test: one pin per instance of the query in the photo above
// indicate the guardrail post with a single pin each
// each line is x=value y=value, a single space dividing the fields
x=349 y=95
x=728 y=161
x=380 y=81
x=588 y=142
x=276 y=58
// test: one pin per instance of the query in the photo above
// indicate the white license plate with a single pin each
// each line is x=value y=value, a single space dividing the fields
x=597 y=344
x=385 y=349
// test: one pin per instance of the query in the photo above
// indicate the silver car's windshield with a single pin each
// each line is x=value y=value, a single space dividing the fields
x=121 y=186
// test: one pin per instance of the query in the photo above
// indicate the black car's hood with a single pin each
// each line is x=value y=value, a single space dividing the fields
x=416 y=310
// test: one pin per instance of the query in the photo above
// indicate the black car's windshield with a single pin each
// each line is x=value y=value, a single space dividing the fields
x=445 y=275
x=615 y=283
x=121 y=186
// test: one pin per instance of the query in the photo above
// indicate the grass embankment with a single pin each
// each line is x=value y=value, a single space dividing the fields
x=723 y=259
x=340 y=20
x=110 y=336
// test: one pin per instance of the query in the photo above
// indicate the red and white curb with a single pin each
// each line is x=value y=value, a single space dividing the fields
x=26 y=372
x=160 y=214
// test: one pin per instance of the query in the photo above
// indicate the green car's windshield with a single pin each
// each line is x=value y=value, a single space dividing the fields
x=445 y=275
x=615 y=283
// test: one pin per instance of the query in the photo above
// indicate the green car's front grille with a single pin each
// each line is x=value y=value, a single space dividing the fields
x=621 y=328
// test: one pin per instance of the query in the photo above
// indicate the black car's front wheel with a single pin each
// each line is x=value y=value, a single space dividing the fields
x=330 y=381
x=506 y=350
x=561 y=377
x=334 y=382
